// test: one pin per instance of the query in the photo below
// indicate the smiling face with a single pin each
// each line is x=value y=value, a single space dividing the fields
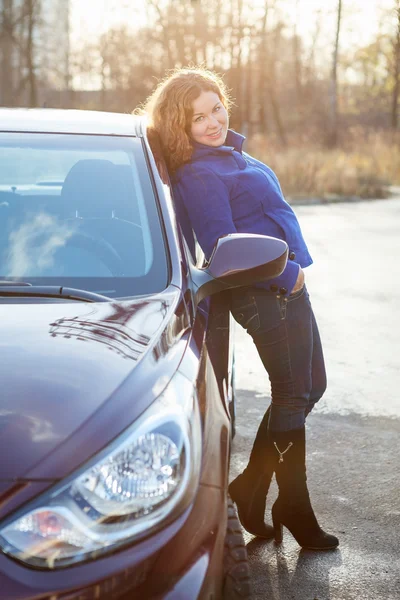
x=210 y=121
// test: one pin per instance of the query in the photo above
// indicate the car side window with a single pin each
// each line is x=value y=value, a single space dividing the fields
x=192 y=247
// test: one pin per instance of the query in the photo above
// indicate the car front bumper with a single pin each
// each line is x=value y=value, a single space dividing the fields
x=183 y=560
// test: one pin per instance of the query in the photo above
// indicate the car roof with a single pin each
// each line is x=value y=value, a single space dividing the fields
x=52 y=120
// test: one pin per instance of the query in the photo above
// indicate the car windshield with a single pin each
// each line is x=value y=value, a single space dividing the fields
x=79 y=211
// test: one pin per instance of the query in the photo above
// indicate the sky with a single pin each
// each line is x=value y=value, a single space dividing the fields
x=360 y=18
x=360 y=22
x=91 y=17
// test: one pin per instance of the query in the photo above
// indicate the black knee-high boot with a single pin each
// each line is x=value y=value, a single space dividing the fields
x=249 y=490
x=293 y=507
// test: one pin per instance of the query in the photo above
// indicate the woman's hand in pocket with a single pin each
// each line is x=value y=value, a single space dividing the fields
x=299 y=282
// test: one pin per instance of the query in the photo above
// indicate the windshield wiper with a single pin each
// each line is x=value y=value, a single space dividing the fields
x=22 y=289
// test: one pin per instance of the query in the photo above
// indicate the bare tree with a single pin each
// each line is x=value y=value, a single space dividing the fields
x=333 y=133
x=396 y=70
x=7 y=41
x=34 y=53
x=262 y=87
x=282 y=84
x=297 y=64
x=32 y=11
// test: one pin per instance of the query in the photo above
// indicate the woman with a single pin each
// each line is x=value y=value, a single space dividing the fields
x=221 y=190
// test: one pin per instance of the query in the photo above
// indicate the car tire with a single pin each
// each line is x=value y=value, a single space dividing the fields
x=237 y=582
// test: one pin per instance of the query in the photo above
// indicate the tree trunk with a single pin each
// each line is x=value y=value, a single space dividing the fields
x=296 y=61
x=333 y=134
x=6 y=53
x=396 y=73
x=30 y=63
x=240 y=70
x=262 y=99
x=276 y=111
x=273 y=86
x=69 y=89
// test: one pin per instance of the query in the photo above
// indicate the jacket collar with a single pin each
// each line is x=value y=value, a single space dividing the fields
x=233 y=141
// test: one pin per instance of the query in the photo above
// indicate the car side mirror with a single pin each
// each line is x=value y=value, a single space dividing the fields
x=240 y=259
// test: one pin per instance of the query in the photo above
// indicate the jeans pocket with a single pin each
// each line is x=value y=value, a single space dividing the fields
x=247 y=315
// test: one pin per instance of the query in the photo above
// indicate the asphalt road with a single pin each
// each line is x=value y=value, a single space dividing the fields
x=353 y=435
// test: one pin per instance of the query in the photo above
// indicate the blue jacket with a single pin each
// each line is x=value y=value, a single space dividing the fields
x=224 y=190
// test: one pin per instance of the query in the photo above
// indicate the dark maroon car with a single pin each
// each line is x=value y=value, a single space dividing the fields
x=116 y=371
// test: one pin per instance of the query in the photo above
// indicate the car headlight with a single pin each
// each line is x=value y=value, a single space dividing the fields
x=147 y=475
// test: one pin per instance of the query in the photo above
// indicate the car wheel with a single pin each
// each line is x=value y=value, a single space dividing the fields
x=237 y=583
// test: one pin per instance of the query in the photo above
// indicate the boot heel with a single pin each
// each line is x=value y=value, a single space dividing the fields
x=278 y=531
x=293 y=507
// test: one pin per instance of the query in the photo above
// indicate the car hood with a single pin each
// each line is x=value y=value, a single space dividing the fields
x=59 y=362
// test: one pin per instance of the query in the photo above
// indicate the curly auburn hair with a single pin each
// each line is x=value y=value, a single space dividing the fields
x=169 y=110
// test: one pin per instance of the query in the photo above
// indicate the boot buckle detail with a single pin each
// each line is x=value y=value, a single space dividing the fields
x=284 y=452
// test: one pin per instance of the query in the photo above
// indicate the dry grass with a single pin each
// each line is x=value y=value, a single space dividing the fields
x=364 y=167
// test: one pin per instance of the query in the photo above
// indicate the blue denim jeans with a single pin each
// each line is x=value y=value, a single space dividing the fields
x=286 y=335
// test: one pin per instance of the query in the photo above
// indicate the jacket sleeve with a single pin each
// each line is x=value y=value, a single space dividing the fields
x=287 y=278
x=205 y=198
